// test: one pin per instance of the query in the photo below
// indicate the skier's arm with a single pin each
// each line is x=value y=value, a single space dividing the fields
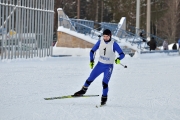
x=117 y=48
x=93 y=50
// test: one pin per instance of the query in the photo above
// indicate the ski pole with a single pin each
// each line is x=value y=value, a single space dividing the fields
x=123 y=65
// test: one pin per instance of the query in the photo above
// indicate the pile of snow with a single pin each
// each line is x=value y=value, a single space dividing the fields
x=83 y=52
x=71 y=51
x=170 y=46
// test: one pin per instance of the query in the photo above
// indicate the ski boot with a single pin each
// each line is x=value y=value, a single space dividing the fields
x=103 y=100
x=81 y=92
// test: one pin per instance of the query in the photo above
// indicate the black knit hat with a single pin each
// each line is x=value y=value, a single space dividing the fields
x=107 y=32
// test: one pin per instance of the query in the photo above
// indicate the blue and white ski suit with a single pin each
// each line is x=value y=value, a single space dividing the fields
x=105 y=62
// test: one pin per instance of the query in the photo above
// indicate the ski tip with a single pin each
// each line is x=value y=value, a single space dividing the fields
x=46 y=99
x=96 y=95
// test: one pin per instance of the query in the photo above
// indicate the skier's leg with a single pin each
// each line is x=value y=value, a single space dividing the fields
x=95 y=72
x=107 y=76
x=93 y=75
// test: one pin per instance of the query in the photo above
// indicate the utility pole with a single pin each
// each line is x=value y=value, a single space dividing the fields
x=102 y=10
x=148 y=18
x=138 y=16
x=78 y=9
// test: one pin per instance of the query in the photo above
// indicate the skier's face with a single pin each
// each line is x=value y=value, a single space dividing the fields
x=106 y=37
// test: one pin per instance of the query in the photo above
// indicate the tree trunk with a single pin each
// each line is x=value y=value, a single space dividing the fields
x=97 y=11
x=78 y=9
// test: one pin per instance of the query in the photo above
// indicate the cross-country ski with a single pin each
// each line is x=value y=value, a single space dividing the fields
x=70 y=96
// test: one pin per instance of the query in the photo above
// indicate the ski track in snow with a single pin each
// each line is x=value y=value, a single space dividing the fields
x=147 y=90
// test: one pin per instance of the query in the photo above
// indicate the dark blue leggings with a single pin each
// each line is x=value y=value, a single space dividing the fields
x=98 y=69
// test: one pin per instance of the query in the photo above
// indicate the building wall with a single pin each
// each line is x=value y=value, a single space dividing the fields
x=66 y=40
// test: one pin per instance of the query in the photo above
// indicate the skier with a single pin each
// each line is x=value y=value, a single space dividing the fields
x=107 y=48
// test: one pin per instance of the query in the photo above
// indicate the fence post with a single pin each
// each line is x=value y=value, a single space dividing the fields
x=27 y=28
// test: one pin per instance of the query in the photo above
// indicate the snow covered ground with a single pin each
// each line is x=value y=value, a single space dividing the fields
x=148 y=89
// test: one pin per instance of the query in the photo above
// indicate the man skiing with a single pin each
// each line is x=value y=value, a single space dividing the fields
x=107 y=48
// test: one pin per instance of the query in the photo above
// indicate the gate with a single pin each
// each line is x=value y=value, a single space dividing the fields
x=26 y=28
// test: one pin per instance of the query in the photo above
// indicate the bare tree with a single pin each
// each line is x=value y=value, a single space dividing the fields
x=165 y=14
x=171 y=20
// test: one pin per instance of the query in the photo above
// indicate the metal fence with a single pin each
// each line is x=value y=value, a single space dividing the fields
x=159 y=41
x=93 y=33
x=26 y=28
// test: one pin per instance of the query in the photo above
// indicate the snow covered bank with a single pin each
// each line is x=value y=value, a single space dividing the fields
x=147 y=90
